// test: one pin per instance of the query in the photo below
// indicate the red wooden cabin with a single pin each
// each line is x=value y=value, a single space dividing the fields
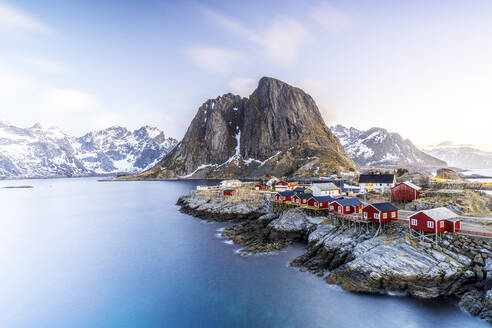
x=320 y=201
x=301 y=199
x=346 y=206
x=380 y=212
x=284 y=196
x=406 y=191
x=281 y=185
x=435 y=220
x=261 y=187
x=229 y=192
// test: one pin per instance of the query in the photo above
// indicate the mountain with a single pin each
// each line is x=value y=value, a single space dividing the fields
x=378 y=147
x=463 y=157
x=277 y=130
x=49 y=152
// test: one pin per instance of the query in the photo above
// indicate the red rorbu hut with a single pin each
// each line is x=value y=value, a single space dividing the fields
x=261 y=187
x=380 y=212
x=301 y=199
x=284 y=196
x=346 y=206
x=435 y=220
x=229 y=192
x=320 y=201
x=405 y=191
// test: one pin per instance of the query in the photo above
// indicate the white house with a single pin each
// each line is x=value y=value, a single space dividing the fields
x=324 y=189
x=376 y=182
x=230 y=183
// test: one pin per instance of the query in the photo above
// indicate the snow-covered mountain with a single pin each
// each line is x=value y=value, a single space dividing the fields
x=463 y=157
x=46 y=152
x=378 y=147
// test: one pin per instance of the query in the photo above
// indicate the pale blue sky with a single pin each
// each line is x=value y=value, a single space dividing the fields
x=420 y=68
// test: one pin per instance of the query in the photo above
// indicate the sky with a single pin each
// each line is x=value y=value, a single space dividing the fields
x=419 y=68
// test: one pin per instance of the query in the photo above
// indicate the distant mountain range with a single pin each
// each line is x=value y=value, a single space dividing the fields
x=48 y=152
x=378 y=147
x=462 y=156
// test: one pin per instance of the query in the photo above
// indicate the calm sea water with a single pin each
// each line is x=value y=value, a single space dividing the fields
x=82 y=253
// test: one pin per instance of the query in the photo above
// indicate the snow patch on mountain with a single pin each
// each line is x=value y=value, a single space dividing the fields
x=378 y=147
x=46 y=152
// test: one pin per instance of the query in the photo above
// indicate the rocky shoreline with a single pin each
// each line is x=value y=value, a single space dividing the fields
x=355 y=259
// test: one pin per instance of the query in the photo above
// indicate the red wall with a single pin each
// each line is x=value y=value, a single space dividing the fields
x=229 y=193
x=371 y=211
x=453 y=226
x=404 y=192
x=422 y=220
x=320 y=205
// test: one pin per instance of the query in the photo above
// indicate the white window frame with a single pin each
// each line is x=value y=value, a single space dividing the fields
x=331 y=207
x=347 y=208
x=376 y=215
x=365 y=215
x=339 y=209
x=385 y=215
x=393 y=214
x=413 y=222
x=315 y=203
x=430 y=224
x=441 y=224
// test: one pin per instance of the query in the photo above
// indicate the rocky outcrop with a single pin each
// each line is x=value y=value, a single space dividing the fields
x=222 y=208
x=445 y=173
x=359 y=261
x=278 y=130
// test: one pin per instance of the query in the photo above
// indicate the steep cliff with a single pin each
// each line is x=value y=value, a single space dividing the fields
x=277 y=130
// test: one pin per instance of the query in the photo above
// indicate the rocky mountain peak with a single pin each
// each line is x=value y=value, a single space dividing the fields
x=378 y=147
x=277 y=130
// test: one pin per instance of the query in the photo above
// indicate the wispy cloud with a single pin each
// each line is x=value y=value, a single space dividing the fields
x=281 y=41
x=243 y=86
x=213 y=59
x=14 y=22
x=45 y=65
x=329 y=17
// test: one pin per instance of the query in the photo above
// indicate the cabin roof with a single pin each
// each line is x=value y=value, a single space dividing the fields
x=305 y=196
x=439 y=213
x=323 y=199
x=411 y=185
x=229 y=190
x=384 y=207
x=349 y=202
x=287 y=193
x=376 y=178
x=300 y=189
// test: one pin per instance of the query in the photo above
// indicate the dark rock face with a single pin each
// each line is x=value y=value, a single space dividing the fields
x=378 y=147
x=278 y=130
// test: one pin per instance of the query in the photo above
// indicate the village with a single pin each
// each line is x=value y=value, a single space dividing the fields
x=367 y=201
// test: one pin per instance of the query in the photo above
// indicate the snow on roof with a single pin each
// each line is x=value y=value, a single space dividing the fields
x=325 y=186
x=411 y=185
x=439 y=213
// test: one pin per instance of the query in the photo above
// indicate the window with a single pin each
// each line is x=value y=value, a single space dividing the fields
x=365 y=215
x=414 y=222
x=441 y=224
x=376 y=215
x=315 y=203
x=331 y=207
x=393 y=214
x=339 y=210
x=347 y=208
x=385 y=215
x=430 y=224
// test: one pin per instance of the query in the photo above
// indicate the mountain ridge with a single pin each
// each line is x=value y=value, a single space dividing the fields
x=378 y=147
x=49 y=152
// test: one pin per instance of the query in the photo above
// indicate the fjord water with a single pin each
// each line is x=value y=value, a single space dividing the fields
x=82 y=253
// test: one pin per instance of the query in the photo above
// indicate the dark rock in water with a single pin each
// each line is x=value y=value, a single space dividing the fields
x=278 y=130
